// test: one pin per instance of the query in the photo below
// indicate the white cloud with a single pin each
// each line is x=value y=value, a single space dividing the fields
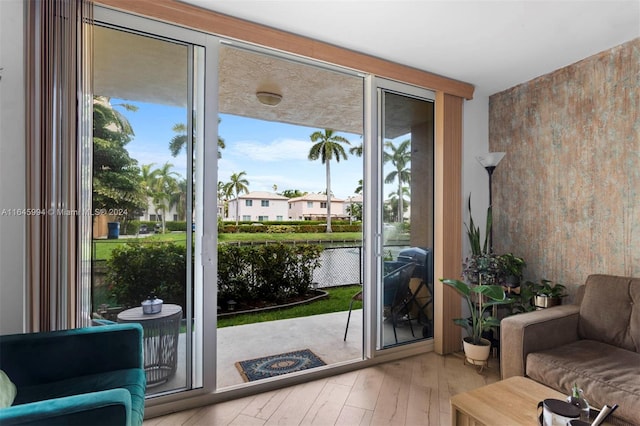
x=278 y=150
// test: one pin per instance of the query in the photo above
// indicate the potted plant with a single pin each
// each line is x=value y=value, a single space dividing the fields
x=483 y=268
x=477 y=348
x=548 y=293
x=523 y=301
x=513 y=267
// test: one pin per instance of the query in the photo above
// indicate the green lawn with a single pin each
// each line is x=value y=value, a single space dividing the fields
x=337 y=301
x=103 y=248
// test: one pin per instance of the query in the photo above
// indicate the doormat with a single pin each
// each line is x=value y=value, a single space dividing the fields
x=275 y=365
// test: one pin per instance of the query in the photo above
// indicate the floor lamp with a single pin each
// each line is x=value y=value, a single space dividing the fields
x=489 y=162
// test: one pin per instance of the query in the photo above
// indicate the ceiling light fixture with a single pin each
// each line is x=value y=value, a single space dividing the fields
x=268 y=98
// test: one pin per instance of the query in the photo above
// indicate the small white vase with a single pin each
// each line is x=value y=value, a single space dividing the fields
x=476 y=354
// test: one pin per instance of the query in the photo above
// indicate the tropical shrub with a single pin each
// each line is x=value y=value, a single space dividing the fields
x=268 y=273
x=137 y=271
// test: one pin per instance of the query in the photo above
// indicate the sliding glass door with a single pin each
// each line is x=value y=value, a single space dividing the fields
x=405 y=287
x=147 y=127
x=282 y=212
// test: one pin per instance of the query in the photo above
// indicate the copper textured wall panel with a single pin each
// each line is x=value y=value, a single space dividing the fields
x=567 y=194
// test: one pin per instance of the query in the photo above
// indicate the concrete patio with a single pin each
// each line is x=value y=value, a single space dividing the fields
x=322 y=334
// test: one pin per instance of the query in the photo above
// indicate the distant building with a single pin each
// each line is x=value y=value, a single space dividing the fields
x=314 y=207
x=155 y=215
x=258 y=206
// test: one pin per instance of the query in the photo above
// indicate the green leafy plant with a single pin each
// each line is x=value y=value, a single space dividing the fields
x=523 y=302
x=267 y=273
x=473 y=232
x=136 y=271
x=479 y=321
x=549 y=289
x=513 y=265
x=485 y=268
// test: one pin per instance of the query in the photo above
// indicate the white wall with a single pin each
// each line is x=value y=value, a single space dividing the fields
x=475 y=180
x=12 y=167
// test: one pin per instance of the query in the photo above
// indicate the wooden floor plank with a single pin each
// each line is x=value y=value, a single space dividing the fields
x=411 y=391
x=178 y=418
x=293 y=409
x=244 y=420
x=327 y=406
x=391 y=408
x=364 y=393
x=423 y=406
x=350 y=416
x=219 y=414
x=265 y=404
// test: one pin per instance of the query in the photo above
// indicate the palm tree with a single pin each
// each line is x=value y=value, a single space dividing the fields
x=394 y=203
x=359 y=188
x=237 y=185
x=326 y=146
x=164 y=185
x=222 y=197
x=400 y=157
x=180 y=140
x=292 y=193
x=356 y=150
x=147 y=178
x=147 y=181
x=179 y=199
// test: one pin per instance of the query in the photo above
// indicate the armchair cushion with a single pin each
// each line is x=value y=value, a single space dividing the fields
x=104 y=408
x=130 y=379
x=529 y=332
x=607 y=374
x=620 y=326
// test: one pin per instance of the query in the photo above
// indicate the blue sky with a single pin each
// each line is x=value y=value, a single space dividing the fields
x=270 y=153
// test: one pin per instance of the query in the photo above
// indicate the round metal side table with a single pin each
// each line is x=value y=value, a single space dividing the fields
x=160 y=340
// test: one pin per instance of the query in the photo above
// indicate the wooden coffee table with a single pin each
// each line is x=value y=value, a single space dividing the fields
x=512 y=401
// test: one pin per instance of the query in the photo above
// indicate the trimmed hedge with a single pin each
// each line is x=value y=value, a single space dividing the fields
x=269 y=273
x=282 y=227
x=137 y=271
x=298 y=229
x=287 y=222
x=265 y=273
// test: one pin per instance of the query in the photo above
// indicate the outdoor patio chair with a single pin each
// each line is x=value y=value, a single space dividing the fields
x=355 y=297
x=396 y=294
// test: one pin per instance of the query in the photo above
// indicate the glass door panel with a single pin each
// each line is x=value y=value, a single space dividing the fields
x=290 y=215
x=143 y=186
x=406 y=284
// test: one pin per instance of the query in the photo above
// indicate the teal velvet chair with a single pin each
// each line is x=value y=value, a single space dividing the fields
x=86 y=376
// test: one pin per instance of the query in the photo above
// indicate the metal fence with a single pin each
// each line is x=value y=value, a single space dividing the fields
x=339 y=266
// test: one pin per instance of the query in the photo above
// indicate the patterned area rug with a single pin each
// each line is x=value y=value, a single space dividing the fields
x=275 y=365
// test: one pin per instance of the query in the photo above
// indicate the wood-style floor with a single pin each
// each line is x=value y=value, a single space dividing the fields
x=411 y=391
